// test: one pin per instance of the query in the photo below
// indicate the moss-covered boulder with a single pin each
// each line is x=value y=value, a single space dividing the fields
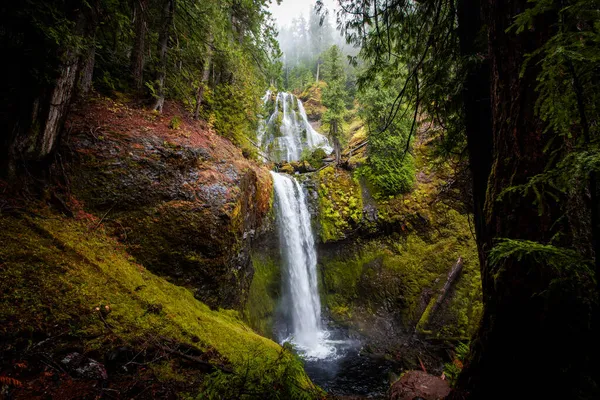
x=340 y=203
x=311 y=99
x=186 y=203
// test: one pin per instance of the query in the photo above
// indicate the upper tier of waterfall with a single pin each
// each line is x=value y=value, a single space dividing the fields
x=286 y=132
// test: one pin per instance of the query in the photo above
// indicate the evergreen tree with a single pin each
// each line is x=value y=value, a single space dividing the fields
x=334 y=97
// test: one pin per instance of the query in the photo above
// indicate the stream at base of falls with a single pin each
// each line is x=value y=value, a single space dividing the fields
x=350 y=373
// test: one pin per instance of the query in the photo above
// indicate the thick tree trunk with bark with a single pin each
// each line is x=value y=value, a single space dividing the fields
x=88 y=58
x=477 y=108
x=532 y=341
x=318 y=68
x=86 y=70
x=36 y=128
x=163 y=44
x=139 y=43
x=48 y=112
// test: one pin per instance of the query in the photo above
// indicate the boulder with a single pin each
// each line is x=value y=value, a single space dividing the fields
x=419 y=385
x=187 y=204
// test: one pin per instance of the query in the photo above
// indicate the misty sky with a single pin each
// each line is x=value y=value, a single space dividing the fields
x=290 y=9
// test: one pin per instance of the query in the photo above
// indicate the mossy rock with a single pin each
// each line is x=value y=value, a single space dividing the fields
x=265 y=290
x=186 y=212
x=340 y=203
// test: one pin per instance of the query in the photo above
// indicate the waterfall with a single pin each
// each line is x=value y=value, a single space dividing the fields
x=286 y=133
x=300 y=259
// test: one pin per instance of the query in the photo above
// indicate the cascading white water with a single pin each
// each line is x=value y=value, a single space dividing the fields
x=287 y=131
x=300 y=257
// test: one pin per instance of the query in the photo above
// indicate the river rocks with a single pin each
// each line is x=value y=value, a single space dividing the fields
x=419 y=385
x=294 y=167
x=186 y=203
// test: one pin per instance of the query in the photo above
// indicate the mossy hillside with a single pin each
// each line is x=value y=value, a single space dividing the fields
x=64 y=279
x=340 y=203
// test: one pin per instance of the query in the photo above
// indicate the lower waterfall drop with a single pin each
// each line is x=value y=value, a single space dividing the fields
x=300 y=260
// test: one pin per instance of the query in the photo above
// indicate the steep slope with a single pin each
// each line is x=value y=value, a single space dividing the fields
x=69 y=292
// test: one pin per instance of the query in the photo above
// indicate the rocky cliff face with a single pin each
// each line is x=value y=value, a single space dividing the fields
x=184 y=200
x=384 y=261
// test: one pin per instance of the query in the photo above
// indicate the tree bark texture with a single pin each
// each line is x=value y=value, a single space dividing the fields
x=477 y=108
x=336 y=141
x=532 y=339
x=163 y=45
x=137 y=52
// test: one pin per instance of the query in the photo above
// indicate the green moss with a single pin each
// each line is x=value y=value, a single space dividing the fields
x=61 y=275
x=340 y=203
x=264 y=293
x=396 y=274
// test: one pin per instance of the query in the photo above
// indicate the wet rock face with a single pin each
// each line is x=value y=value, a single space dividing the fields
x=186 y=206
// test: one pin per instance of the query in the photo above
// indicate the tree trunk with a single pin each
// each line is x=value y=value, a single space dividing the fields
x=137 y=52
x=437 y=301
x=478 y=110
x=532 y=340
x=163 y=44
x=86 y=69
x=336 y=141
x=318 y=67
x=204 y=82
x=48 y=112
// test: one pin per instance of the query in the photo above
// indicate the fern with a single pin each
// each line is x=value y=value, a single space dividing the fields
x=556 y=257
x=7 y=380
x=452 y=369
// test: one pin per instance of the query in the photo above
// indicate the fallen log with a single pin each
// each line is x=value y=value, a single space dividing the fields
x=436 y=302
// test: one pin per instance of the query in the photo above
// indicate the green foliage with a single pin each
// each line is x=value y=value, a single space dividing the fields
x=568 y=101
x=175 y=122
x=278 y=379
x=334 y=93
x=390 y=166
x=544 y=254
x=453 y=369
